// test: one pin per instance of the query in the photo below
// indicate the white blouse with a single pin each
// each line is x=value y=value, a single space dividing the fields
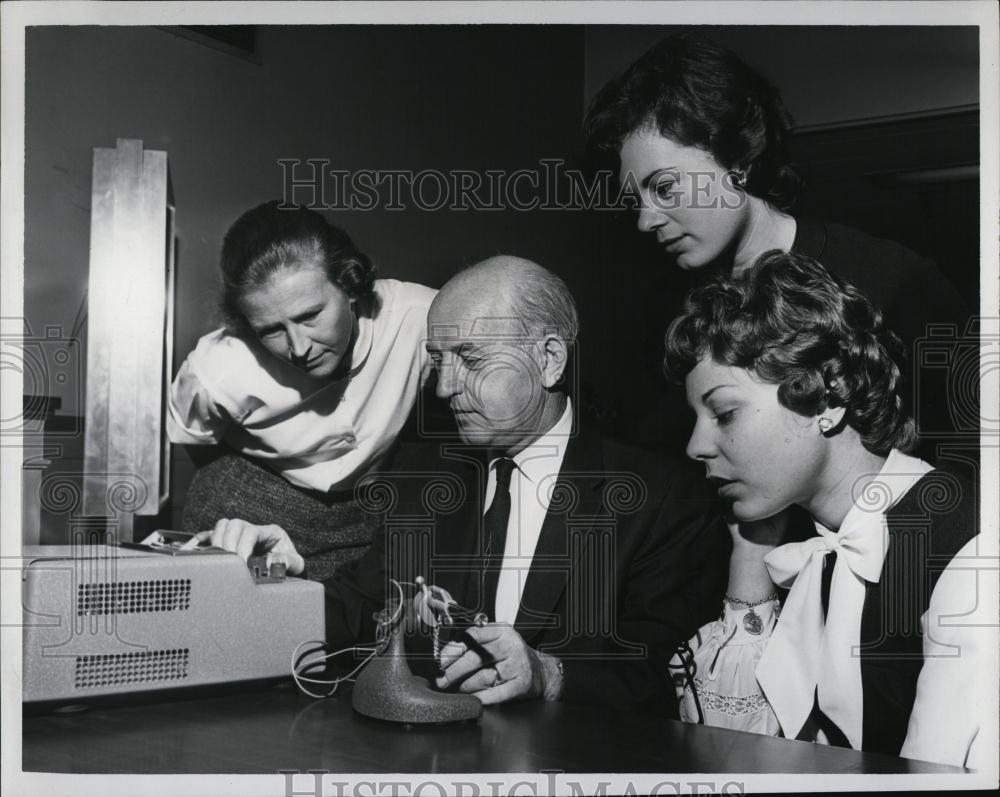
x=750 y=682
x=320 y=439
x=725 y=692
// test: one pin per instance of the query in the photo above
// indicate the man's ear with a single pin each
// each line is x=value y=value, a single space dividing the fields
x=555 y=356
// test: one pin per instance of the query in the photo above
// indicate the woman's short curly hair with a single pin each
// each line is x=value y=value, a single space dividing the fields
x=699 y=94
x=271 y=237
x=793 y=324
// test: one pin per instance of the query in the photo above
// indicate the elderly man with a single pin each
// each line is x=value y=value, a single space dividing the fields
x=592 y=560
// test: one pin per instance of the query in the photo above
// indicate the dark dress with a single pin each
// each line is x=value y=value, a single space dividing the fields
x=925 y=310
x=910 y=290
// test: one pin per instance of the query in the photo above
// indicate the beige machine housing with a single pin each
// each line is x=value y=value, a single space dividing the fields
x=107 y=620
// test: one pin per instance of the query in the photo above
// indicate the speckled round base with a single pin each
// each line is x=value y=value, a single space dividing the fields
x=387 y=690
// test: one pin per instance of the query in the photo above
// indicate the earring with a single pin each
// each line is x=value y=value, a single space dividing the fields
x=739 y=177
x=825 y=424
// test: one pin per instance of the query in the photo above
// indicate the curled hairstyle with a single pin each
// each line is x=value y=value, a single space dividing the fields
x=267 y=238
x=793 y=324
x=699 y=94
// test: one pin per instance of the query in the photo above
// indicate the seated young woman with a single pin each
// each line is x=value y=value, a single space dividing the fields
x=799 y=403
x=313 y=374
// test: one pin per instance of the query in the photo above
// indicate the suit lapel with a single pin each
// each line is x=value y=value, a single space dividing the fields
x=457 y=546
x=576 y=495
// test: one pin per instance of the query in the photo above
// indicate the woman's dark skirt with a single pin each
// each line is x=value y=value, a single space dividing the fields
x=328 y=529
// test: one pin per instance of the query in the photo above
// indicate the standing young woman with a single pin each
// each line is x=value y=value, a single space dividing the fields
x=701 y=138
x=792 y=377
x=312 y=376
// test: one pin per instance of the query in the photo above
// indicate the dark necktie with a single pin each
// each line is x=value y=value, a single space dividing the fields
x=495 y=535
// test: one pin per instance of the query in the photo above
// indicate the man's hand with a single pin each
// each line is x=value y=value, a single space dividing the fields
x=244 y=538
x=502 y=668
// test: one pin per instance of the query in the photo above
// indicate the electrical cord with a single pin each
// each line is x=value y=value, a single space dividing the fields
x=686 y=656
x=437 y=600
x=300 y=669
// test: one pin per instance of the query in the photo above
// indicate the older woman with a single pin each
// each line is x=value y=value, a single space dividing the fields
x=796 y=393
x=314 y=372
x=701 y=139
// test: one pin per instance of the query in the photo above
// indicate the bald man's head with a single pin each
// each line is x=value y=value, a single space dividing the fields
x=499 y=333
x=532 y=300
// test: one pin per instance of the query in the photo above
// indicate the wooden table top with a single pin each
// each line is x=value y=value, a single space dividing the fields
x=278 y=729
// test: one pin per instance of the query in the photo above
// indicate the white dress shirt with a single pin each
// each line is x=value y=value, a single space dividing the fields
x=532 y=481
x=323 y=438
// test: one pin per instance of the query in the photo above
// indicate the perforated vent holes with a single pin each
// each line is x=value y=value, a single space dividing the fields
x=110 y=669
x=132 y=597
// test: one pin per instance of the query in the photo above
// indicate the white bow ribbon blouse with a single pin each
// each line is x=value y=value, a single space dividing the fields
x=805 y=656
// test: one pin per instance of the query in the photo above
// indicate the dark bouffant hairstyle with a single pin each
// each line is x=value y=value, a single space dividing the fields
x=270 y=237
x=699 y=94
x=793 y=324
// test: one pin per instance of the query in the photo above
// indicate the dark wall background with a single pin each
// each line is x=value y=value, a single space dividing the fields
x=878 y=108
x=477 y=98
x=362 y=97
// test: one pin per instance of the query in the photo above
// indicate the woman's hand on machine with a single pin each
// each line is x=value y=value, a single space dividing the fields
x=245 y=539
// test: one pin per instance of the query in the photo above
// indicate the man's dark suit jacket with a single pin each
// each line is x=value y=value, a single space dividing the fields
x=631 y=560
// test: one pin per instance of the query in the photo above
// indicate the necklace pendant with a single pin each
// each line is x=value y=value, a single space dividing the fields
x=752 y=623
